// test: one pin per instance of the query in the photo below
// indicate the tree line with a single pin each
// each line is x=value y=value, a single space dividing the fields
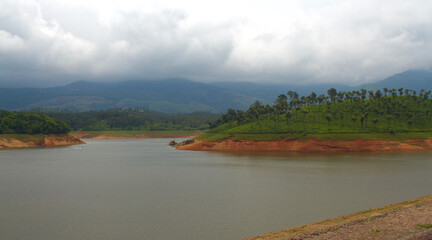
x=30 y=123
x=384 y=110
x=132 y=119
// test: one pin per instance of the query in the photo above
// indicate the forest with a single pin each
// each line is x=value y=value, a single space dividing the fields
x=362 y=111
x=30 y=123
x=132 y=119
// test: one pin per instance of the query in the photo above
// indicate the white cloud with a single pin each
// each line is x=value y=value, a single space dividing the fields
x=318 y=41
x=10 y=43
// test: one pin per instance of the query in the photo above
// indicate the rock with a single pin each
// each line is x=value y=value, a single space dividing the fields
x=187 y=142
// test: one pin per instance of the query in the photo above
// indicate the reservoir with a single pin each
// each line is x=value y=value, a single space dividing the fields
x=144 y=189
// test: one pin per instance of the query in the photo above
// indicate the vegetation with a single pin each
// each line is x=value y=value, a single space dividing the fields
x=163 y=95
x=30 y=123
x=427 y=226
x=373 y=113
x=133 y=119
x=134 y=133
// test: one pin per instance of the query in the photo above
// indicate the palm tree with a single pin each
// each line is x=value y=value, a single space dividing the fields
x=385 y=90
x=363 y=94
x=332 y=94
x=280 y=105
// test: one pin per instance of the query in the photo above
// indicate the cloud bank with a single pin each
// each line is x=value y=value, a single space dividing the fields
x=49 y=43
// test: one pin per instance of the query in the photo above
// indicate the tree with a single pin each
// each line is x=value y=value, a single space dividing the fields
x=332 y=93
x=377 y=94
x=280 y=105
x=292 y=95
x=231 y=116
x=363 y=94
x=313 y=98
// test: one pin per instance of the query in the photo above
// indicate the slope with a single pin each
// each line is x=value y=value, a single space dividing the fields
x=169 y=95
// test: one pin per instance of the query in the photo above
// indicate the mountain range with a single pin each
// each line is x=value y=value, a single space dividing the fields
x=180 y=95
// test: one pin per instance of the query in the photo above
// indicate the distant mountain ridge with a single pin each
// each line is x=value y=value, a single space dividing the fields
x=411 y=79
x=180 y=95
x=267 y=93
x=170 y=95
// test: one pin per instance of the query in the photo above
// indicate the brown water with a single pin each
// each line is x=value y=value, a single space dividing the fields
x=143 y=189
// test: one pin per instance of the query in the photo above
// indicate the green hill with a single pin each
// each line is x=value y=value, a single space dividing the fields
x=375 y=113
x=30 y=123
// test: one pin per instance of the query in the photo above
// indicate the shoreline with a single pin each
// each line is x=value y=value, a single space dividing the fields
x=407 y=220
x=132 y=135
x=34 y=141
x=311 y=145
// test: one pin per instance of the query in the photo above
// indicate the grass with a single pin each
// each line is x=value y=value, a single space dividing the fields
x=213 y=136
x=400 y=137
x=132 y=133
x=427 y=226
x=391 y=118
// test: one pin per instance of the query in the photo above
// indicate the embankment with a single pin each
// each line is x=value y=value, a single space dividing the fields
x=31 y=141
x=309 y=145
x=408 y=220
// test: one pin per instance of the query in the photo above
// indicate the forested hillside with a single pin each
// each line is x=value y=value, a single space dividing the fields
x=168 y=96
x=30 y=123
x=133 y=119
x=180 y=95
x=381 y=111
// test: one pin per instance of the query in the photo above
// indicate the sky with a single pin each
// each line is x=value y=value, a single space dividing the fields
x=56 y=42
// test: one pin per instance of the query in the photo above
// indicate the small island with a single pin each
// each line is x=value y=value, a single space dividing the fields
x=26 y=130
x=353 y=121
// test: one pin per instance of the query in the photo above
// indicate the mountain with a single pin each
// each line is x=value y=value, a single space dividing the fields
x=411 y=79
x=180 y=95
x=170 y=96
x=267 y=93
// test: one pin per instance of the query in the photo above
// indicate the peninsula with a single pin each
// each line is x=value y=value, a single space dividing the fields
x=26 y=130
x=355 y=121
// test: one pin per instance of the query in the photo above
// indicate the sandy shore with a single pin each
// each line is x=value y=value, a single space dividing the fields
x=408 y=220
x=46 y=141
x=309 y=145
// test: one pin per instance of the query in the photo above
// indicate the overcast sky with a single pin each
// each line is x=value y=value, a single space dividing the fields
x=54 y=42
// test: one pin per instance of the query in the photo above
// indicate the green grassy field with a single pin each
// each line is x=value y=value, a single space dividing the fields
x=341 y=116
x=320 y=136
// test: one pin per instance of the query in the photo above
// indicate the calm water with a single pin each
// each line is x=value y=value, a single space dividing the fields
x=143 y=189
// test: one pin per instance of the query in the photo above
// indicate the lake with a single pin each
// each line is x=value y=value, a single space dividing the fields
x=144 y=189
